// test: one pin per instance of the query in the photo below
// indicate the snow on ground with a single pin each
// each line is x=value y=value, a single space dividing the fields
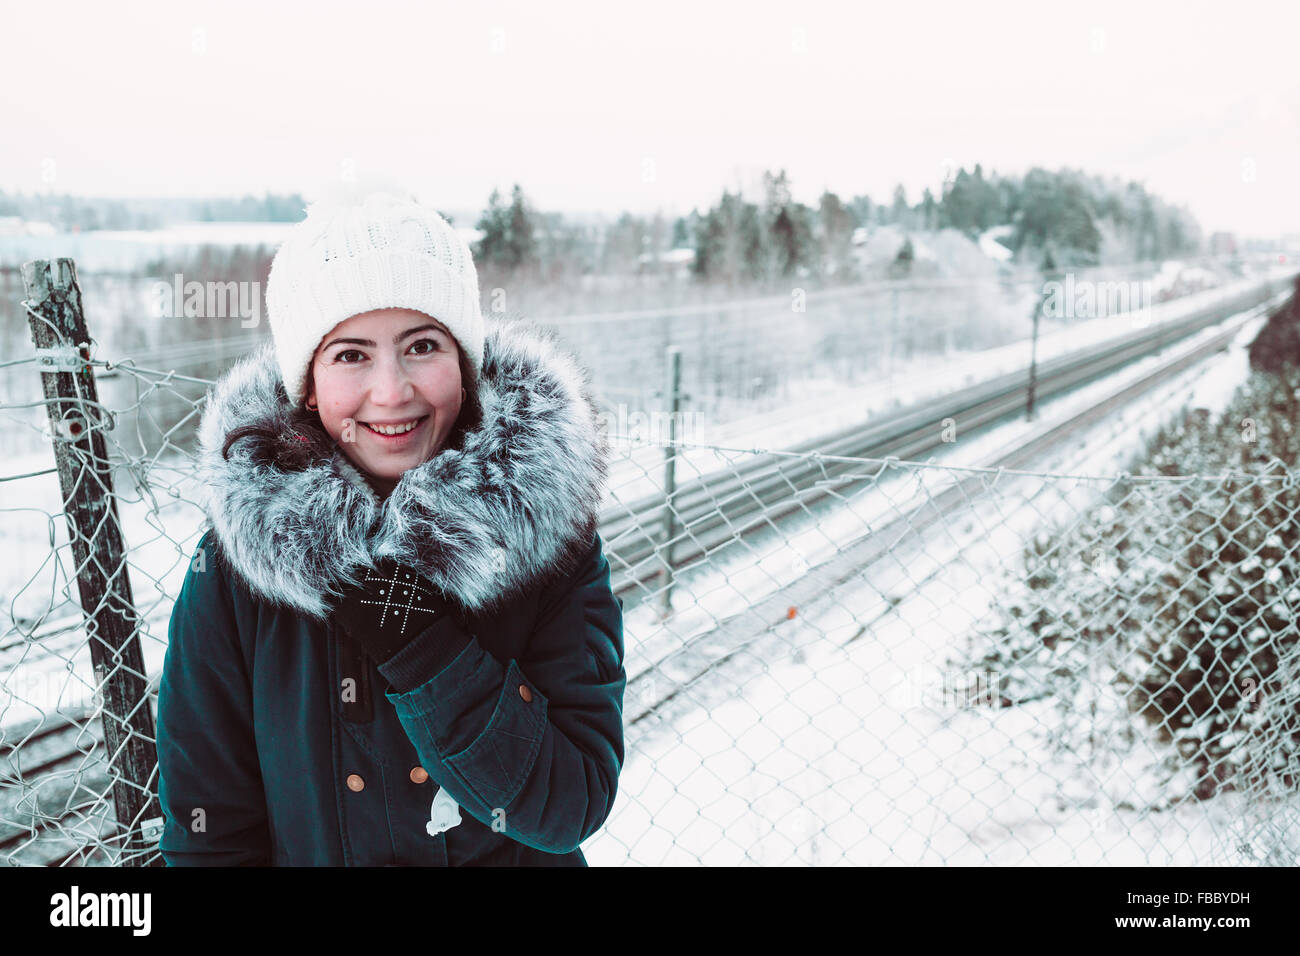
x=811 y=747
x=204 y=233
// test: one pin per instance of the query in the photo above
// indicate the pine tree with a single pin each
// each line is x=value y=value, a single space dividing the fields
x=521 y=241
x=681 y=233
x=836 y=235
x=899 y=211
x=494 y=229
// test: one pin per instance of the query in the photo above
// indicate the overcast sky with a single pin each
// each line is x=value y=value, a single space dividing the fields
x=605 y=106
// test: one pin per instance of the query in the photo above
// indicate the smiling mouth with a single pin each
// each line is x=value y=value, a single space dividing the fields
x=394 y=431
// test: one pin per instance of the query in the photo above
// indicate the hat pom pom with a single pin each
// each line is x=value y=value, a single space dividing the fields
x=355 y=191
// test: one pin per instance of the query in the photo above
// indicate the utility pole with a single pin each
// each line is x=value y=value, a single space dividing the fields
x=1047 y=270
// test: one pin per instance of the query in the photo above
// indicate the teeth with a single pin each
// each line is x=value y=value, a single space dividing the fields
x=393 y=429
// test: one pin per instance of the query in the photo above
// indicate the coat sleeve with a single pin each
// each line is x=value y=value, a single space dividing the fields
x=207 y=755
x=532 y=747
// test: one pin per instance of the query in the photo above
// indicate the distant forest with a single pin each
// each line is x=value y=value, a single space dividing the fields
x=1057 y=217
x=1063 y=217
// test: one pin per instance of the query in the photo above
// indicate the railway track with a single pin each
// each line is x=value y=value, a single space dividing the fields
x=54 y=778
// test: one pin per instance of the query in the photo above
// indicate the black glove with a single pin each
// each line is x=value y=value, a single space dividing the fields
x=393 y=605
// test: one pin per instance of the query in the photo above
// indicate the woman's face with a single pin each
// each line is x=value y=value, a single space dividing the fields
x=387 y=367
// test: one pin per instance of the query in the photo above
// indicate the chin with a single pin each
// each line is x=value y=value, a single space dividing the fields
x=392 y=469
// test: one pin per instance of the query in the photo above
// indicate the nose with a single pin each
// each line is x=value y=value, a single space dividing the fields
x=390 y=384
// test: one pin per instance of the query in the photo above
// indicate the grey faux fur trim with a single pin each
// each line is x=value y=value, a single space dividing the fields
x=520 y=499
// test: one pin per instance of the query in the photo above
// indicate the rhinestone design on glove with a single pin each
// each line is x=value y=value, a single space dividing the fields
x=390 y=608
x=400 y=599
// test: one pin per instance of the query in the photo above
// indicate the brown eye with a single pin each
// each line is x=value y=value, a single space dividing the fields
x=432 y=342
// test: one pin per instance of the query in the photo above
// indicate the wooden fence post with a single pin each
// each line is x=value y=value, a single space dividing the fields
x=77 y=422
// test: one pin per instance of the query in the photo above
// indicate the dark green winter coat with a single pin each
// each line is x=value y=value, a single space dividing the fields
x=494 y=738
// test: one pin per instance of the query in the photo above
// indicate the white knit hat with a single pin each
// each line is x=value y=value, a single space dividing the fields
x=368 y=245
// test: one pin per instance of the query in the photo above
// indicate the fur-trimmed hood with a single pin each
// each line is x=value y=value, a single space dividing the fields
x=518 y=500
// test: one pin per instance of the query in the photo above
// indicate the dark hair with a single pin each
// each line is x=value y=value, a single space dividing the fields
x=304 y=441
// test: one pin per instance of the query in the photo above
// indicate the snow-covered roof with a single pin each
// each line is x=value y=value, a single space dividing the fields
x=991 y=245
x=884 y=242
x=673 y=257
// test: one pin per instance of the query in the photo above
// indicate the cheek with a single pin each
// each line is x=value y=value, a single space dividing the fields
x=334 y=425
x=444 y=393
x=336 y=408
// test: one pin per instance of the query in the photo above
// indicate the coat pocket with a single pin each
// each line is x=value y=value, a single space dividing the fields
x=500 y=759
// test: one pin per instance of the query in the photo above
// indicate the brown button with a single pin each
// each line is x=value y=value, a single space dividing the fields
x=525 y=693
x=419 y=775
x=355 y=782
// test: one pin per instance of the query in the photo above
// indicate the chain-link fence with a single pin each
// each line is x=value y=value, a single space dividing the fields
x=831 y=658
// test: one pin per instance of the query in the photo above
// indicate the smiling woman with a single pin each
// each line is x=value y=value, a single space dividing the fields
x=302 y=438
x=403 y=608
x=390 y=406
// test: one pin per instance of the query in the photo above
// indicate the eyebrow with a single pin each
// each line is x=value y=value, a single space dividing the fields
x=369 y=343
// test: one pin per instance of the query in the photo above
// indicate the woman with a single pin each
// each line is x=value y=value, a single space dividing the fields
x=396 y=645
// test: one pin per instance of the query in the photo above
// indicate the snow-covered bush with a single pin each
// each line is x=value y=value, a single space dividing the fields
x=1175 y=601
